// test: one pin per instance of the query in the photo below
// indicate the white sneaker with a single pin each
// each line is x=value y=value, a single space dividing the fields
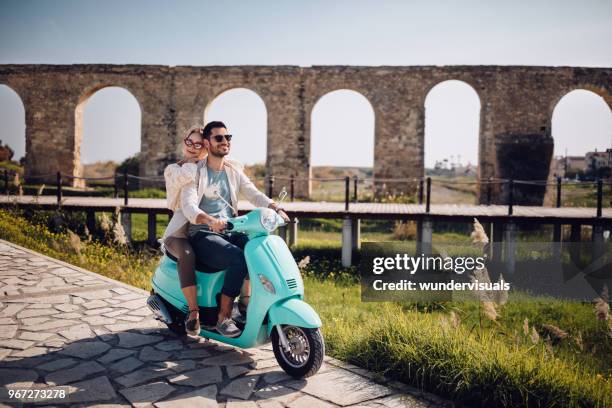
x=228 y=328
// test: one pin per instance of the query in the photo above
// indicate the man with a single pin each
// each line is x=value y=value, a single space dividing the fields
x=208 y=214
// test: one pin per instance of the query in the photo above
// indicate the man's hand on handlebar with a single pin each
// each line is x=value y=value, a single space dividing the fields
x=274 y=206
x=215 y=225
x=202 y=218
x=283 y=215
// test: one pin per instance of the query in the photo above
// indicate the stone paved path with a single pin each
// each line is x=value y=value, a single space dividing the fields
x=63 y=326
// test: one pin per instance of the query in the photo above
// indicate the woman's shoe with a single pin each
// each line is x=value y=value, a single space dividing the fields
x=243 y=303
x=192 y=326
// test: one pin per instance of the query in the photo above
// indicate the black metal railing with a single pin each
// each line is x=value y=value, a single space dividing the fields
x=121 y=182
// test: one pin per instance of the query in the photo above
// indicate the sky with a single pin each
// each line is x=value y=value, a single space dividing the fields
x=305 y=33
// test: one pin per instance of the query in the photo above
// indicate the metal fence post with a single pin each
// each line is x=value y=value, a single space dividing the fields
x=558 y=191
x=59 y=187
x=270 y=186
x=125 y=187
x=292 y=187
x=355 y=182
x=510 y=196
x=116 y=186
x=152 y=228
x=421 y=191
x=599 y=196
x=427 y=204
x=347 y=183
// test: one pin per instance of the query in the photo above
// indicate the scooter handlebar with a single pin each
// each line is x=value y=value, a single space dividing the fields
x=280 y=221
x=258 y=219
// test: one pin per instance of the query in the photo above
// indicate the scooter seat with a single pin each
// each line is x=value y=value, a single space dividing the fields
x=200 y=267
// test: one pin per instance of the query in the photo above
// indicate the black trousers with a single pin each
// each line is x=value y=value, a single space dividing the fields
x=223 y=252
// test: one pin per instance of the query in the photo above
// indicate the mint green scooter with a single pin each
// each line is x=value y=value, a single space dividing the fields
x=276 y=310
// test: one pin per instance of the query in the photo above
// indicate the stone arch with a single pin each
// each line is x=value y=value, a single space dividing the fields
x=600 y=91
x=431 y=131
x=343 y=136
x=592 y=91
x=84 y=97
x=243 y=150
x=362 y=100
x=470 y=90
x=459 y=78
x=20 y=147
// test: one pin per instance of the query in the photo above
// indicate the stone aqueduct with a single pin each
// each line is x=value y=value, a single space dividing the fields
x=515 y=119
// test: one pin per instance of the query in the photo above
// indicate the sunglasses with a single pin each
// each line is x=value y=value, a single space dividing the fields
x=189 y=143
x=219 y=138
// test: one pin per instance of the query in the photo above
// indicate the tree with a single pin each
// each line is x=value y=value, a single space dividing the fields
x=6 y=153
x=131 y=164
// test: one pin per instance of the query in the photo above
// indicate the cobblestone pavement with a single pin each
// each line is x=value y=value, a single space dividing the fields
x=64 y=326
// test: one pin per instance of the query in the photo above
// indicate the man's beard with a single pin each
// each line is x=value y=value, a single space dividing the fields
x=217 y=153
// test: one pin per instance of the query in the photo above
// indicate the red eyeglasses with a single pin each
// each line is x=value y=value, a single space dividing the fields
x=196 y=145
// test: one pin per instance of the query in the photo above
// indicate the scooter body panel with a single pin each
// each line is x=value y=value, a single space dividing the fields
x=166 y=283
x=294 y=312
x=269 y=257
x=265 y=255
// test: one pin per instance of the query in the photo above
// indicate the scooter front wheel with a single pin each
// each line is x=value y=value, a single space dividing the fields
x=305 y=354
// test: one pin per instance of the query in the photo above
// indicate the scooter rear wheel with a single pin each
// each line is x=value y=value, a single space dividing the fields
x=178 y=319
x=305 y=356
x=177 y=328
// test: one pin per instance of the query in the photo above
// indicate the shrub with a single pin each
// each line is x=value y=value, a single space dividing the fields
x=405 y=230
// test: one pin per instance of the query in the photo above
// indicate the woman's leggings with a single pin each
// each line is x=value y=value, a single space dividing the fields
x=182 y=250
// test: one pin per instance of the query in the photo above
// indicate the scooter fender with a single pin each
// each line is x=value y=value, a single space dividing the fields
x=294 y=312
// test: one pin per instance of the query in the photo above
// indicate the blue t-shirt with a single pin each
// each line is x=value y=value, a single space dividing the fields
x=211 y=204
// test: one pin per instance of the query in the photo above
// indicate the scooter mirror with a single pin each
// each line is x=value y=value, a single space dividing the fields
x=282 y=195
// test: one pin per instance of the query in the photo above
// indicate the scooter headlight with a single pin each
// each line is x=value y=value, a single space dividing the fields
x=267 y=284
x=268 y=219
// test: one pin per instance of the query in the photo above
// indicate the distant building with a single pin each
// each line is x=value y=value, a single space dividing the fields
x=568 y=165
x=598 y=160
x=593 y=164
x=451 y=169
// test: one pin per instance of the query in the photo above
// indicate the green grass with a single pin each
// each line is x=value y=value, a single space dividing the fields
x=148 y=193
x=140 y=226
x=481 y=364
x=577 y=195
x=131 y=266
x=476 y=362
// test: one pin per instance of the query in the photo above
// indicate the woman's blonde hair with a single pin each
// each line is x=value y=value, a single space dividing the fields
x=195 y=129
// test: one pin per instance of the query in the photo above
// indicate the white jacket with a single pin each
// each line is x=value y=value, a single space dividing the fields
x=238 y=183
x=176 y=176
x=189 y=195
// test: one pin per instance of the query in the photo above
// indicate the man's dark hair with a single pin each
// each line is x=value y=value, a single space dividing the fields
x=212 y=125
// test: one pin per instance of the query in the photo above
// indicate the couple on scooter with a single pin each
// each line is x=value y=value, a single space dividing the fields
x=202 y=189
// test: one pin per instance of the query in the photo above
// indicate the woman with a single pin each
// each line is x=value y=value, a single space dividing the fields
x=175 y=238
